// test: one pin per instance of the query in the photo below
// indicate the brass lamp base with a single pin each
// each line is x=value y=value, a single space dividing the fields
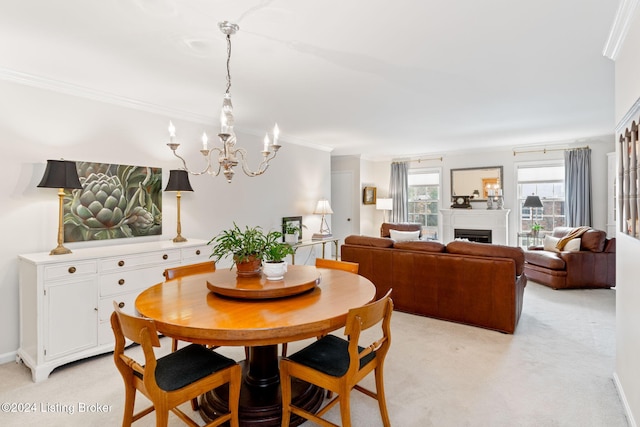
x=179 y=239
x=60 y=250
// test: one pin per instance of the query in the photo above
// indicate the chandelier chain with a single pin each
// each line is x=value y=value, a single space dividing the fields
x=228 y=63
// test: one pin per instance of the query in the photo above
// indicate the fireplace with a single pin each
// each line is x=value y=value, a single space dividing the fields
x=473 y=235
x=495 y=220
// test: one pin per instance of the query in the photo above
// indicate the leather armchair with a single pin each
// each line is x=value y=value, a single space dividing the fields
x=593 y=266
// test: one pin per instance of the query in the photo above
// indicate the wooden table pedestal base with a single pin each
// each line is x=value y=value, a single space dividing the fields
x=260 y=398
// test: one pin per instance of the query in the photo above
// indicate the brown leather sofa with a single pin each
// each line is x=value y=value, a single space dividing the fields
x=472 y=283
x=593 y=266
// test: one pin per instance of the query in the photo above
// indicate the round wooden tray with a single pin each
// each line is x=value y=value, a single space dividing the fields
x=298 y=279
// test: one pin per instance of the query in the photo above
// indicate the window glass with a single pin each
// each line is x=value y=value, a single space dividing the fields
x=547 y=182
x=424 y=200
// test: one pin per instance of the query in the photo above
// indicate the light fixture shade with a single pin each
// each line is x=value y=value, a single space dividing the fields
x=384 y=204
x=60 y=174
x=178 y=181
x=323 y=208
x=532 y=202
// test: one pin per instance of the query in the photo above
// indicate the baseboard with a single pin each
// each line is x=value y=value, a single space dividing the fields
x=623 y=398
x=8 y=357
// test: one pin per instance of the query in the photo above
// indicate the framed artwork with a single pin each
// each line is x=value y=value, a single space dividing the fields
x=116 y=201
x=291 y=224
x=369 y=196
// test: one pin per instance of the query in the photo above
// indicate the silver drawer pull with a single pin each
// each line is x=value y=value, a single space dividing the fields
x=72 y=270
x=120 y=263
x=121 y=282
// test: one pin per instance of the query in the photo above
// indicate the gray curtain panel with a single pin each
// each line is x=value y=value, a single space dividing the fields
x=577 y=181
x=398 y=191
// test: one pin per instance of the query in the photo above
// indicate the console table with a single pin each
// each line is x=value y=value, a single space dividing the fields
x=323 y=242
x=66 y=300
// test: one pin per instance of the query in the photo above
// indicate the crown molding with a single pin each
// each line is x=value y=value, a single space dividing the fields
x=620 y=28
x=59 y=86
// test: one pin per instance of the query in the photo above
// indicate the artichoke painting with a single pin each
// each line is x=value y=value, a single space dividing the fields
x=115 y=201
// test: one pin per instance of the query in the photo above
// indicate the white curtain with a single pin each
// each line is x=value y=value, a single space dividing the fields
x=398 y=191
x=577 y=181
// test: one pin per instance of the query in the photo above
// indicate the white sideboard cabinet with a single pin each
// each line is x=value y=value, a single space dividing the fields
x=66 y=301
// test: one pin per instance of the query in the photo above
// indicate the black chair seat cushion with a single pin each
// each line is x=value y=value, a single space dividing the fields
x=330 y=355
x=188 y=365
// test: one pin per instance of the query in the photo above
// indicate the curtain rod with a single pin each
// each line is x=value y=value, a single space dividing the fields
x=546 y=150
x=424 y=159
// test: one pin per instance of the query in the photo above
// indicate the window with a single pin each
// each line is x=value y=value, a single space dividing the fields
x=424 y=199
x=547 y=182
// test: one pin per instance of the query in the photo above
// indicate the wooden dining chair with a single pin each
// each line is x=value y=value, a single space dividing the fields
x=172 y=379
x=188 y=270
x=351 y=267
x=338 y=365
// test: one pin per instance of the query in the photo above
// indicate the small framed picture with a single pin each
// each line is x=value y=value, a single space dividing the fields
x=292 y=225
x=369 y=196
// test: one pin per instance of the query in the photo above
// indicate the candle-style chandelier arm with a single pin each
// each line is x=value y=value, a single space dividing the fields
x=207 y=155
x=267 y=156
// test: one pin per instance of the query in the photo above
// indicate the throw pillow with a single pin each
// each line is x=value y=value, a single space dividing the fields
x=403 y=236
x=572 y=245
x=550 y=243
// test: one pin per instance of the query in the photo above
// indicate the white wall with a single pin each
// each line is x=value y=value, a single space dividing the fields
x=627 y=368
x=37 y=125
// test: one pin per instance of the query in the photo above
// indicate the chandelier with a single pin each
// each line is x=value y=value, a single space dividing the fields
x=228 y=155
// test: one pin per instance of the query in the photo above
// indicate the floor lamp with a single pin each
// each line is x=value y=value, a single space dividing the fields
x=178 y=181
x=60 y=174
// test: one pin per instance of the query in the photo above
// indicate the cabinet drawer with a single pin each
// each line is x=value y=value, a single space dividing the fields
x=127 y=304
x=131 y=280
x=71 y=269
x=196 y=254
x=131 y=261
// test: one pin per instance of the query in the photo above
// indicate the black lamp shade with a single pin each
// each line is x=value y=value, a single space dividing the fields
x=532 y=202
x=60 y=174
x=178 y=181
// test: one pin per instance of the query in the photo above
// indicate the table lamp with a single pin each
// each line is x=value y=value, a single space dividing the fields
x=60 y=174
x=178 y=181
x=384 y=205
x=322 y=208
x=532 y=202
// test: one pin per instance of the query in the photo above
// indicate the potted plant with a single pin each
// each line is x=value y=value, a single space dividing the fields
x=291 y=232
x=247 y=247
x=535 y=229
x=274 y=254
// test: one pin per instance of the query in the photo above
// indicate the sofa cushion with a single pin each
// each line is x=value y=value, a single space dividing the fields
x=403 y=236
x=593 y=240
x=378 y=242
x=387 y=226
x=546 y=259
x=421 y=246
x=488 y=250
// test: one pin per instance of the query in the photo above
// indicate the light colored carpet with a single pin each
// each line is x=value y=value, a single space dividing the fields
x=555 y=371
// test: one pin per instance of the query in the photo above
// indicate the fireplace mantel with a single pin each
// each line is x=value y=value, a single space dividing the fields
x=496 y=220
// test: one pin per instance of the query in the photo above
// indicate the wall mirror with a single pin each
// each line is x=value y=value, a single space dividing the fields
x=475 y=182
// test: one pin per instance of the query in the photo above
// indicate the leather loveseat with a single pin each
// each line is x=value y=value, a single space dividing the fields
x=472 y=283
x=592 y=265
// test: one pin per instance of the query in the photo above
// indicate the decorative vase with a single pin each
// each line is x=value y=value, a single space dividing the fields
x=274 y=270
x=249 y=267
x=291 y=239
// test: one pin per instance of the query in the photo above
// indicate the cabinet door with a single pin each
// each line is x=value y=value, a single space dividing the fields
x=71 y=317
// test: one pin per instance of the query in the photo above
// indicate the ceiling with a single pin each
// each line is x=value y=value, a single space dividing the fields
x=378 y=78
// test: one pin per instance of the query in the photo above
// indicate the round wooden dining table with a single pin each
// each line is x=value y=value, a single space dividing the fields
x=188 y=309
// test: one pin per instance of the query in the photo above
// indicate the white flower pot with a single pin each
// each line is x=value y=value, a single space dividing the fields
x=274 y=270
x=291 y=239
